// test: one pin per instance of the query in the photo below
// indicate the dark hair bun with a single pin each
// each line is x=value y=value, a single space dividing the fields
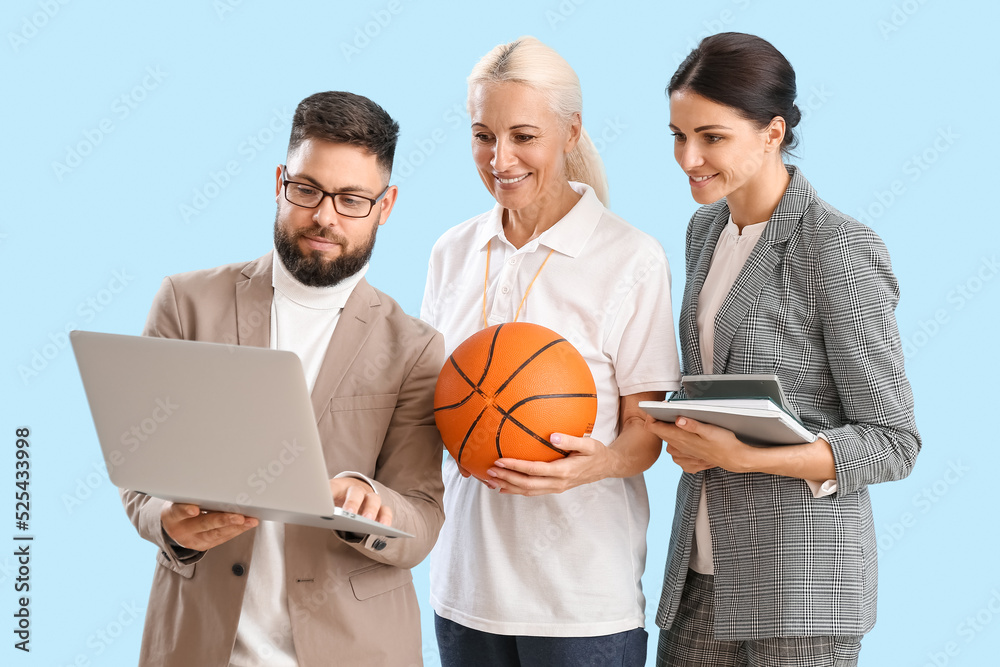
x=793 y=117
x=746 y=73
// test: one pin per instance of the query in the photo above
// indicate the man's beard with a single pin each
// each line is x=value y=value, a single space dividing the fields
x=309 y=267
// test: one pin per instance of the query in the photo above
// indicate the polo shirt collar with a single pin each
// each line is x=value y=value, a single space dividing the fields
x=568 y=236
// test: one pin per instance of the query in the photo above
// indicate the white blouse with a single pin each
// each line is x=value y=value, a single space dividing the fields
x=731 y=253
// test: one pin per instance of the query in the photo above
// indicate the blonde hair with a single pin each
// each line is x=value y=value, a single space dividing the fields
x=527 y=61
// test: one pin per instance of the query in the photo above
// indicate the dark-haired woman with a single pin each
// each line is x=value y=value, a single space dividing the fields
x=773 y=556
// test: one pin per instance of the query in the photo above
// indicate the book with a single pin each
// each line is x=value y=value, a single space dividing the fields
x=754 y=407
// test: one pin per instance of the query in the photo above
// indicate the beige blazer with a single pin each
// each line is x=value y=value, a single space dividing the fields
x=374 y=409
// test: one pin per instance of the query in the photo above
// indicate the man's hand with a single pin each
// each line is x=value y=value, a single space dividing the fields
x=191 y=528
x=354 y=495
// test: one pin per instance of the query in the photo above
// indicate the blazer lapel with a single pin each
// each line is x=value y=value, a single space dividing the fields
x=760 y=266
x=693 y=364
x=749 y=283
x=253 y=303
x=353 y=328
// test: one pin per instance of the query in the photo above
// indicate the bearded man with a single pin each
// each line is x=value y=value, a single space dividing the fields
x=230 y=590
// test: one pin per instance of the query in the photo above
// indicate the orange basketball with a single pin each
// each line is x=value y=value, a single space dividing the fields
x=506 y=390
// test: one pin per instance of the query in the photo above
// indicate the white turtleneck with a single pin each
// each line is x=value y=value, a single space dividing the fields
x=302 y=320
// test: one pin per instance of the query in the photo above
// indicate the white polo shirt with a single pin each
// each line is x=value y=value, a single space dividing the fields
x=567 y=564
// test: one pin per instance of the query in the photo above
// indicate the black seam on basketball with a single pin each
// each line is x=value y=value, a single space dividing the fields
x=489 y=358
x=499 y=430
x=456 y=405
x=540 y=439
x=464 y=376
x=526 y=362
x=540 y=396
x=469 y=432
x=513 y=420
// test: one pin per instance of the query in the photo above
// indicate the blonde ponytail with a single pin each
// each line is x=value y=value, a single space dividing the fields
x=584 y=164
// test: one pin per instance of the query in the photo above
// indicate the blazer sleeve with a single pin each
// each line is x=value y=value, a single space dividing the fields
x=857 y=298
x=144 y=511
x=408 y=468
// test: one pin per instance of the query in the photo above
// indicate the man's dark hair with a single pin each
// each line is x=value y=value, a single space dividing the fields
x=346 y=118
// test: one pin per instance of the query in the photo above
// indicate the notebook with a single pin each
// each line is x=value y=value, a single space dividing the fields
x=754 y=407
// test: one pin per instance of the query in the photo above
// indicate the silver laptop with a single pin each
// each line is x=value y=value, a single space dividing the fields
x=225 y=427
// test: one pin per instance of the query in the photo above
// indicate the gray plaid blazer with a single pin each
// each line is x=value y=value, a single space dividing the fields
x=814 y=305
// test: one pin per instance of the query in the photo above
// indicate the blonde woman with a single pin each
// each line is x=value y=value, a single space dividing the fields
x=541 y=563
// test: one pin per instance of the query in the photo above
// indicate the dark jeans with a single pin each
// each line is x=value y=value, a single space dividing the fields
x=464 y=647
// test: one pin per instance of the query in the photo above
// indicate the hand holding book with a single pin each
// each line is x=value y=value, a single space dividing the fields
x=753 y=407
x=697 y=444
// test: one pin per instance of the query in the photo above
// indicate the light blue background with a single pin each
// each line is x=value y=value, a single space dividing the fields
x=885 y=83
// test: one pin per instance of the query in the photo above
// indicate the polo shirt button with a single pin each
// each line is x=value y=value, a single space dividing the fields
x=238 y=569
x=504 y=290
x=513 y=261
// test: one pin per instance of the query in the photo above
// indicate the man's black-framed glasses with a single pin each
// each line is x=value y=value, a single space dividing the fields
x=346 y=204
